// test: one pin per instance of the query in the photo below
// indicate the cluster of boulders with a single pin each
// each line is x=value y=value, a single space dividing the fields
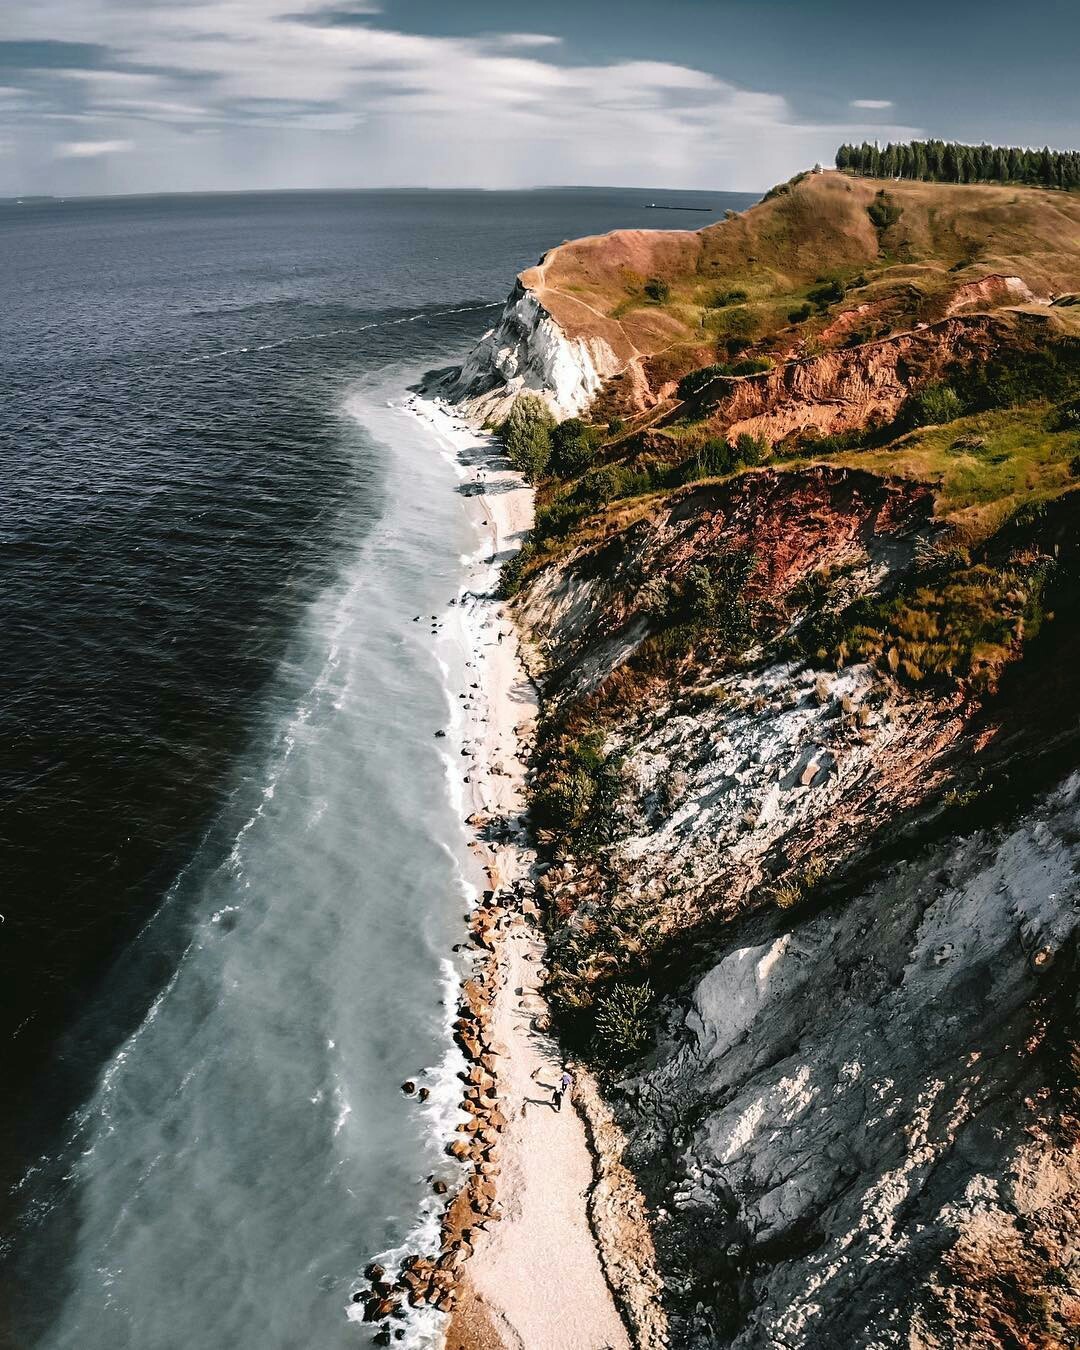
x=432 y=1280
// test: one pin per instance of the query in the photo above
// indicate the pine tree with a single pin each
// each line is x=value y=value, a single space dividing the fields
x=954 y=162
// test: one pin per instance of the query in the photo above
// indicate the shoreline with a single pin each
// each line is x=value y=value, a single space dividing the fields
x=518 y=1263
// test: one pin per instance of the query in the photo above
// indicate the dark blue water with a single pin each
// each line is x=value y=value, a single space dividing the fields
x=229 y=876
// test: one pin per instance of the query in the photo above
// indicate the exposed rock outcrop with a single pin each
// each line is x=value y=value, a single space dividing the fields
x=527 y=351
x=848 y=1102
x=860 y=386
x=989 y=292
x=590 y=612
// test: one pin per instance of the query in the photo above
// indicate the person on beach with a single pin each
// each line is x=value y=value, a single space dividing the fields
x=564 y=1086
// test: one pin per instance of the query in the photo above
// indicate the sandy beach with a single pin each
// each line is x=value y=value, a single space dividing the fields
x=534 y=1278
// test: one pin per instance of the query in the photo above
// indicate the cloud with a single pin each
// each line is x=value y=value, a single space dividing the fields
x=91 y=149
x=510 y=40
x=259 y=93
x=871 y=103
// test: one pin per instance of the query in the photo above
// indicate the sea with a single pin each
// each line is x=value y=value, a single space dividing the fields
x=231 y=865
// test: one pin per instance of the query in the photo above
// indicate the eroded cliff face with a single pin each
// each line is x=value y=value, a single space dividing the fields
x=852 y=1130
x=528 y=352
x=865 y=385
x=850 y=884
x=847 y=1124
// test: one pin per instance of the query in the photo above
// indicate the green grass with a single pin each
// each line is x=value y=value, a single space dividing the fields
x=982 y=467
x=966 y=626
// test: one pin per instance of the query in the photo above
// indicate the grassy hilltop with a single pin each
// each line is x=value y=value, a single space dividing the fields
x=927 y=333
x=776 y=275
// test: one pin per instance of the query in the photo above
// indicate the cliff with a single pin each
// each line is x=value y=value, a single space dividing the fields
x=528 y=352
x=805 y=787
x=587 y=318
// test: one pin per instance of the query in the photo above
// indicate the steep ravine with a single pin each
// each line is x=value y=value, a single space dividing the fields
x=855 y=896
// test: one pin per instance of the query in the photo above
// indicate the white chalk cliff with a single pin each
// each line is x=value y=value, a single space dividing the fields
x=528 y=352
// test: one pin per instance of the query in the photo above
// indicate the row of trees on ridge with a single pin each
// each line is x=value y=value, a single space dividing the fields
x=951 y=162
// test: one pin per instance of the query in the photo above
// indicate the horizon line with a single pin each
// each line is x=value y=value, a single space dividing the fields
x=43 y=197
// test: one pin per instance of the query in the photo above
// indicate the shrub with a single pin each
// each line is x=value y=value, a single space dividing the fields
x=1067 y=417
x=622 y=1021
x=513 y=571
x=782 y=189
x=801 y=314
x=556 y=518
x=797 y=888
x=657 y=290
x=714 y=600
x=1074 y=466
x=883 y=211
x=616 y=426
x=657 y=597
x=696 y=380
x=787 y=894
x=828 y=293
x=751 y=450
x=573 y=447
x=578 y=790
x=935 y=404
x=739 y=322
x=600 y=485
x=722 y=299
x=714 y=459
x=526 y=434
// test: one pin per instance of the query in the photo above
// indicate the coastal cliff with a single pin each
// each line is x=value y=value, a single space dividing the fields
x=527 y=352
x=804 y=614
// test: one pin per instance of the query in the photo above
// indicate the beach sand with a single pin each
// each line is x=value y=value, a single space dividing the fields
x=535 y=1279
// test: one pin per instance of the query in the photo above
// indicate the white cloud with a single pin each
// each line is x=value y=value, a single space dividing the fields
x=294 y=102
x=525 y=40
x=91 y=149
x=871 y=103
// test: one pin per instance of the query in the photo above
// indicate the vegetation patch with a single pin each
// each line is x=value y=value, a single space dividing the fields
x=697 y=380
x=622 y=1022
x=966 y=626
x=577 y=787
x=951 y=162
x=527 y=435
x=982 y=467
x=883 y=211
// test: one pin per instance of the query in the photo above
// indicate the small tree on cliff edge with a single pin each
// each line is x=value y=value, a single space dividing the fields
x=526 y=434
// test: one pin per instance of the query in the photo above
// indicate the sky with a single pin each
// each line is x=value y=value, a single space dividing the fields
x=104 y=96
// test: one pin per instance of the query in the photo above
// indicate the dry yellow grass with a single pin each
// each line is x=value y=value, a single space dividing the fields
x=947 y=234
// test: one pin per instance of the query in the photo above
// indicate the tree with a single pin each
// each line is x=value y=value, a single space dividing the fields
x=658 y=290
x=526 y=434
x=883 y=211
x=573 y=447
x=954 y=162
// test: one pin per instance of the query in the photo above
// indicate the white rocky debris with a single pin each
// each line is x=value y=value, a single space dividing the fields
x=527 y=351
x=856 y=1085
